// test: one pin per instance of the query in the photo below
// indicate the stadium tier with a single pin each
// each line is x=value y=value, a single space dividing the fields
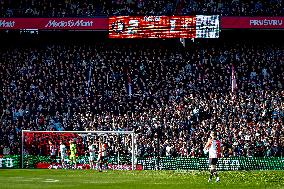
x=91 y=8
x=141 y=94
x=171 y=96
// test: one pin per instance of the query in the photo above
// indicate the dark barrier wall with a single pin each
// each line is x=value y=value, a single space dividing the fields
x=164 y=163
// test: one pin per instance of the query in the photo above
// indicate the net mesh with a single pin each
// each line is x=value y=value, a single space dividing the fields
x=42 y=149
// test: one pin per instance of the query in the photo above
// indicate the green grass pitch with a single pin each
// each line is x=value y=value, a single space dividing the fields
x=81 y=179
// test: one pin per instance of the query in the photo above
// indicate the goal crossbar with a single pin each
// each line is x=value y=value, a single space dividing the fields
x=95 y=132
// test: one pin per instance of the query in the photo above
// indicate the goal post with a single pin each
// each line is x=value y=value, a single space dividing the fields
x=120 y=150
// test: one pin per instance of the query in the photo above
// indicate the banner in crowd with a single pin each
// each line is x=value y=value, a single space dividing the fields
x=43 y=162
x=54 y=23
x=226 y=22
x=242 y=163
x=9 y=161
x=236 y=22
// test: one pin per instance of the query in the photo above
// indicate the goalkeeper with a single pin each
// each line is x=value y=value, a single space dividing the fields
x=73 y=151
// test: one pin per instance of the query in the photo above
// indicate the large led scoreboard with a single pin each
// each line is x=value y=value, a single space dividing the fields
x=199 y=26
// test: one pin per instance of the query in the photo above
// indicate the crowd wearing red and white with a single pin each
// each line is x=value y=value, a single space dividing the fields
x=156 y=90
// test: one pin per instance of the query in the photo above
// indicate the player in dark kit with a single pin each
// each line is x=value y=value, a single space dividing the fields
x=52 y=150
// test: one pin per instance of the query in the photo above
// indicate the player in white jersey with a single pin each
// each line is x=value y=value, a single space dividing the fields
x=62 y=154
x=92 y=153
x=213 y=146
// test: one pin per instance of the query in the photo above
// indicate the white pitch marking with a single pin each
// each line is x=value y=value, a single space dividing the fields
x=26 y=180
x=101 y=182
x=16 y=177
x=50 y=180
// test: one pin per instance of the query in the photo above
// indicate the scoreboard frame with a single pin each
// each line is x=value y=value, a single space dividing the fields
x=199 y=26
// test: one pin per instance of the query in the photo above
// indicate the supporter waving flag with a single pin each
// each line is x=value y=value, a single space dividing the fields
x=129 y=84
x=234 y=81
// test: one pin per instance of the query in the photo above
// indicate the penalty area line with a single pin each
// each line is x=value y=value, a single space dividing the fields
x=24 y=179
x=50 y=180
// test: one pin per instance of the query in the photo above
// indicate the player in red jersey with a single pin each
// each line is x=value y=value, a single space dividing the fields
x=213 y=146
x=102 y=154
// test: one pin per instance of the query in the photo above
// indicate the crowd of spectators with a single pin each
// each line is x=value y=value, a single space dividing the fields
x=91 y=8
x=193 y=7
x=171 y=98
x=53 y=8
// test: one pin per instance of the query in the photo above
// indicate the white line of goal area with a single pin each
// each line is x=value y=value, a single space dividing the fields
x=50 y=180
x=23 y=179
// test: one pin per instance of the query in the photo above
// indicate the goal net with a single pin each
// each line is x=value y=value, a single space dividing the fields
x=78 y=149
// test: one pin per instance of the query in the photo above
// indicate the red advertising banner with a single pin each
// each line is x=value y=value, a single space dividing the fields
x=54 y=23
x=87 y=166
x=252 y=22
x=149 y=26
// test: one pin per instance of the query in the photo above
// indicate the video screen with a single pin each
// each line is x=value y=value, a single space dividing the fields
x=164 y=26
